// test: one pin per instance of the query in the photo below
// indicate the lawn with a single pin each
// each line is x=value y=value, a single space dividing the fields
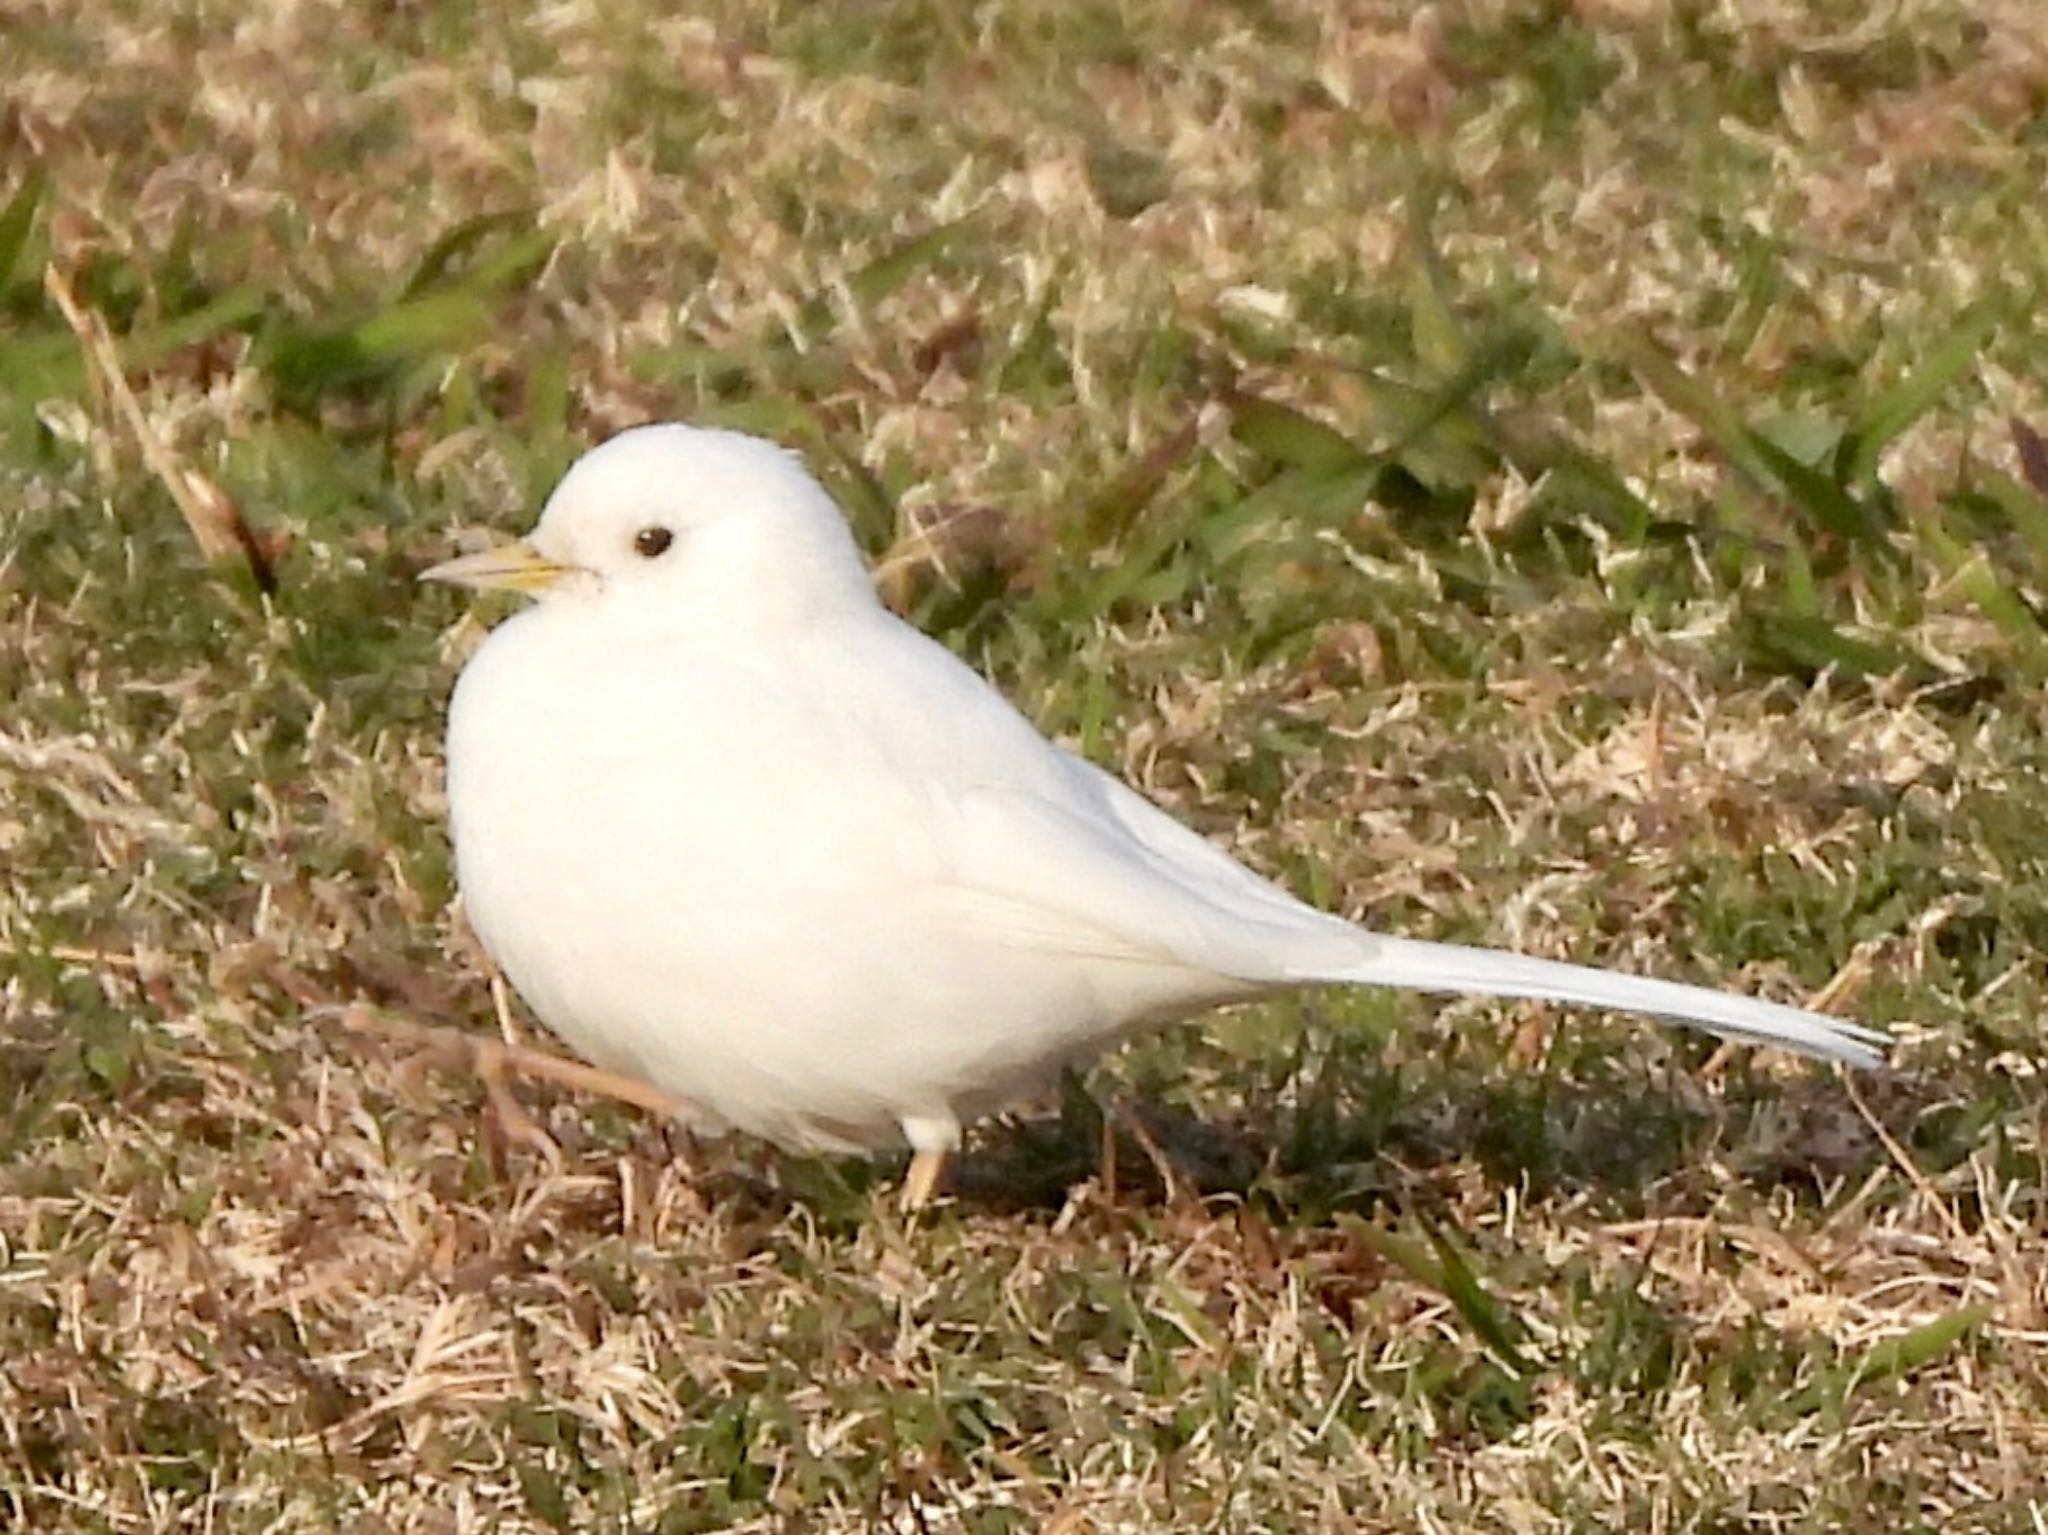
x=1560 y=475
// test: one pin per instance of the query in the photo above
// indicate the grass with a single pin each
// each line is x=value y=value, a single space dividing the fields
x=1550 y=475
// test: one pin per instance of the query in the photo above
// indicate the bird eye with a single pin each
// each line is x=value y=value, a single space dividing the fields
x=652 y=542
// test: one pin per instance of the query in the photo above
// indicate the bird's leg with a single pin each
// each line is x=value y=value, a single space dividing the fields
x=457 y=1049
x=932 y=1139
x=921 y=1181
x=1162 y=1164
x=505 y=1118
x=1105 y=1162
x=501 y=1004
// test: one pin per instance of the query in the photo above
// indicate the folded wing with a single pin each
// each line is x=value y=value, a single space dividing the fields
x=1096 y=868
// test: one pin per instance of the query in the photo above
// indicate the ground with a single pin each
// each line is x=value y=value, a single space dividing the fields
x=1557 y=475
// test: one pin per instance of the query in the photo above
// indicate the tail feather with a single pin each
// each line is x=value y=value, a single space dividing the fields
x=1444 y=967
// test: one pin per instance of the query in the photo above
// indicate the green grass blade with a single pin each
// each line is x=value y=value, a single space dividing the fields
x=1802 y=596
x=1454 y=406
x=18 y=219
x=49 y=366
x=867 y=287
x=2023 y=511
x=1539 y=448
x=1112 y=512
x=1824 y=502
x=1807 y=642
x=1498 y=1328
x=1441 y=1267
x=438 y=319
x=458 y=242
x=515 y=260
x=1294 y=494
x=437 y=322
x=1892 y=412
x=1890 y=1358
x=1285 y=435
x=1440 y=442
x=883 y=276
x=1441 y=344
x=1970 y=571
x=1768 y=466
x=1698 y=404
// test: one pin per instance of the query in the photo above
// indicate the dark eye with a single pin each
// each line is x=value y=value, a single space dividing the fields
x=652 y=542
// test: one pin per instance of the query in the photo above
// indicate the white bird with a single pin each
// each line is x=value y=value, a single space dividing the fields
x=732 y=828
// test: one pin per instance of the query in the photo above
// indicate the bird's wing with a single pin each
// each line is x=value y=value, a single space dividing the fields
x=1040 y=847
x=1102 y=869
x=1092 y=868
x=1052 y=852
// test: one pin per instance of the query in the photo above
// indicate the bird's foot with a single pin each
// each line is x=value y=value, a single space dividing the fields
x=506 y=1121
x=1170 y=1181
x=494 y=1061
x=1118 y=1116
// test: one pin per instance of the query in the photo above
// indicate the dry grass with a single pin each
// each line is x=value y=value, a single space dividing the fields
x=256 y=1274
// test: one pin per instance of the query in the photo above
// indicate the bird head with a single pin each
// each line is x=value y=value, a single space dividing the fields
x=671 y=519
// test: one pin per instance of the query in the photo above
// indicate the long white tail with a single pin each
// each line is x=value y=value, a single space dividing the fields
x=1449 y=967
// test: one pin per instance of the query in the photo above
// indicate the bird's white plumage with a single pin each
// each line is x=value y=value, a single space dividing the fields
x=730 y=826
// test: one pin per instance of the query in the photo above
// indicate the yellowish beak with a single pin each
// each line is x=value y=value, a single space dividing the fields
x=513 y=567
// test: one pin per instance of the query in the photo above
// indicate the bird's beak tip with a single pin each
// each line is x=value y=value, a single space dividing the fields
x=514 y=567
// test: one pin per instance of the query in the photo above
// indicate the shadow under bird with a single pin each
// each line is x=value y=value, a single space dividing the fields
x=732 y=828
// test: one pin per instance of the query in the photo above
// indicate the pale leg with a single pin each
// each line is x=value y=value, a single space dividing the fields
x=488 y=1058
x=932 y=1139
x=493 y=1069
